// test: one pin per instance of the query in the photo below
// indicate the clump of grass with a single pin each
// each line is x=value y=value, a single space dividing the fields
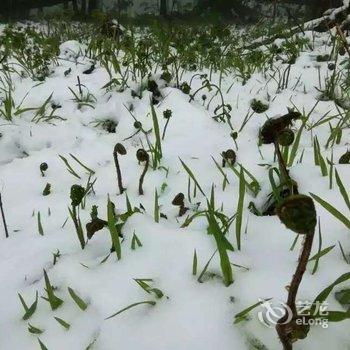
x=135 y=242
x=29 y=310
x=223 y=245
x=54 y=301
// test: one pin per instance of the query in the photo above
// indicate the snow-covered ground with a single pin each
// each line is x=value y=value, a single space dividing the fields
x=190 y=315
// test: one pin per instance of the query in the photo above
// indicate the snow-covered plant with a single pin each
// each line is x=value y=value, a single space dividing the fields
x=83 y=98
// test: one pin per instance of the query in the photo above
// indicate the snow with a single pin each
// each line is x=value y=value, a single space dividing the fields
x=192 y=315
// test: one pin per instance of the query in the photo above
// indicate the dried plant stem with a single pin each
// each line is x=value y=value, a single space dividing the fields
x=165 y=127
x=3 y=218
x=119 y=174
x=283 y=329
x=142 y=177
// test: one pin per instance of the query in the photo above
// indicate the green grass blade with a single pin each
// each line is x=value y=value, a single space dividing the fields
x=322 y=253
x=29 y=311
x=156 y=207
x=113 y=230
x=194 y=263
x=54 y=301
x=40 y=226
x=42 y=345
x=295 y=146
x=241 y=316
x=156 y=131
x=149 y=302
x=205 y=268
x=190 y=173
x=34 y=330
x=342 y=189
x=337 y=214
x=239 y=216
x=80 y=302
x=63 y=323
x=327 y=291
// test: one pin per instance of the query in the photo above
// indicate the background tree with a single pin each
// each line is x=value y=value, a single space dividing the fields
x=163 y=7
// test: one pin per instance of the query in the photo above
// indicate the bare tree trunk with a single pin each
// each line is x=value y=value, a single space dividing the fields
x=83 y=8
x=92 y=6
x=119 y=8
x=75 y=7
x=274 y=10
x=163 y=7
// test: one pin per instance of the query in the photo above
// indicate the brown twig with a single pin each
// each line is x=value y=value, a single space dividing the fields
x=119 y=148
x=3 y=218
x=142 y=177
x=284 y=329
